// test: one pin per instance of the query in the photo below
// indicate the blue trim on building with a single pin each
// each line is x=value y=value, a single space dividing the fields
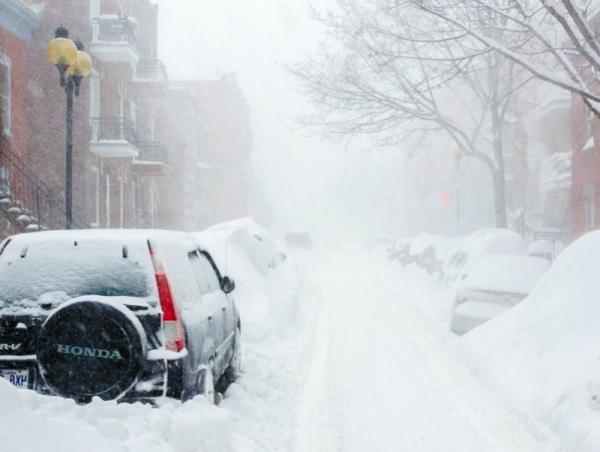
x=18 y=18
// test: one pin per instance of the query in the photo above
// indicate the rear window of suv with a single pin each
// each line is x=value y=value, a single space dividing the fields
x=51 y=273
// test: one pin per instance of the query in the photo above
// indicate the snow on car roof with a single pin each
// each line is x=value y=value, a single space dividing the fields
x=116 y=235
x=495 y=241
x=506 y=273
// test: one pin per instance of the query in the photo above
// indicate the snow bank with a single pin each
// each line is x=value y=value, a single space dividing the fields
x=32 y=422
x=544 y=354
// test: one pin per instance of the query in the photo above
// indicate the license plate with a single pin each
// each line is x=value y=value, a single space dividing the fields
x=19 y=378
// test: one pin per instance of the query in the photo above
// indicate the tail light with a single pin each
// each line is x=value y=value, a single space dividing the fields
x=173 y=329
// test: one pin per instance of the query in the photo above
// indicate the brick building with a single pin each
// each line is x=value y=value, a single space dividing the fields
x=26 y=199
x=226 y=144
x=118 y=158
x=147 y=153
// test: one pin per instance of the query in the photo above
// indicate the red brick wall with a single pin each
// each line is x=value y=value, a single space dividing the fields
x=20 y=102
x=47 y=116
x=586 y=168
x=223 y=115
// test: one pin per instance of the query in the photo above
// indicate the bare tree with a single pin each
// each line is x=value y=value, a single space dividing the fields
x=555 y=40
x=393 y=69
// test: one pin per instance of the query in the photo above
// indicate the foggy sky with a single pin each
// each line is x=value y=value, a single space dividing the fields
x=309 y=182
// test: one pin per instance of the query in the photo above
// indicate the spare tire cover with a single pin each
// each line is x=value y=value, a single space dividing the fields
x=88 y=349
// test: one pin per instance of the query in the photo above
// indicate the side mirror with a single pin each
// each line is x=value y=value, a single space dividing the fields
x=227 y=284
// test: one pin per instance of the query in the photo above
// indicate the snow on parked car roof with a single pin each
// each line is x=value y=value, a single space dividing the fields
x=506 y=273
x=494 y=241
x=69 y=253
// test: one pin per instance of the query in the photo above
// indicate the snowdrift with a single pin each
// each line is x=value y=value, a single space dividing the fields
x=544 y=354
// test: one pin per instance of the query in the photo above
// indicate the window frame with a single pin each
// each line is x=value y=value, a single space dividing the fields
x=96 y=191
x=6 y=98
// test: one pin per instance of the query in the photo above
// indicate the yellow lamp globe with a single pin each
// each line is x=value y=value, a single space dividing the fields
x=82 y=66
x=62 y=52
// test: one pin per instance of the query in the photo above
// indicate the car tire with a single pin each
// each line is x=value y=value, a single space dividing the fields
x=206 y=385
x=235 y=366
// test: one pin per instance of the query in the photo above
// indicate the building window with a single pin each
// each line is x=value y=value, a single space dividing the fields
x=107 y=205
x=589 y=205
x=5 y=106
x=94 y=82
x=152 y=208
x=589 y=144
x=121 y=201
x=134 y=203
x=95 y=201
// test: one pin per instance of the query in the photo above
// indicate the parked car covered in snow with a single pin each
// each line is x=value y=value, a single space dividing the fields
x=473 y=247
x=127 y=315
x=400 y=251
x=496 y=283
x=258 y=243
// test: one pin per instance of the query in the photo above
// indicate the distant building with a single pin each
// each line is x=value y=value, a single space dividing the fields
x=585 y=194
x=552 y=131
x=222 y=165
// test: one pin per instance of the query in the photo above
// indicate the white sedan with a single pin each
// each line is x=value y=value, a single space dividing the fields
x=497 y=283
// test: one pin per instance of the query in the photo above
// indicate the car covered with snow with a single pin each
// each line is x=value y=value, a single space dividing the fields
x=476 y=245
x=400 y=251
x=497 y=283
x=127 y=315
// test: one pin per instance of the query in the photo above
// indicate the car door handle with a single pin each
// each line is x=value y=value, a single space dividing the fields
x=224 y=308
x=210 y=318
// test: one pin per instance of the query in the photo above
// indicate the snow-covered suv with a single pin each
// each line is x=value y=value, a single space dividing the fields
x=128 y=315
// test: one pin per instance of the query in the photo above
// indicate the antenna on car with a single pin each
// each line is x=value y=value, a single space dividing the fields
x=125 y=252
x=24 y=251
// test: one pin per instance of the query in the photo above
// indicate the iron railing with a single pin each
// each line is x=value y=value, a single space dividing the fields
x=113 y=29
x=152 y=151
x=26 y=199
x=113 y=129
x=151 y=70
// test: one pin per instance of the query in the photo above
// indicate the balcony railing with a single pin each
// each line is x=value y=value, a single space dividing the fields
x=113 y=129
x=152 y=151
x=27 y=200
x=113 y=29
x=151 y=70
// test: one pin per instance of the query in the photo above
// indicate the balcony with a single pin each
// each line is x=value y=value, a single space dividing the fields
x=555 y=172
x=152 y=159
x=555 y=108
x=113 y=138
x=113 y=39
x=150 y=79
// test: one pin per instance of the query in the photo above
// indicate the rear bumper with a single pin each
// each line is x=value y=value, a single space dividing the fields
x=157 y=378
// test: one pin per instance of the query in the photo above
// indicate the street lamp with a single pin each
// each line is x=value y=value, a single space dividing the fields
x=73 y=65
x=457 y=156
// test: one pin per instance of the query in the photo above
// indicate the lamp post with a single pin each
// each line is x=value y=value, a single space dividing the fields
x=73 y=65
x=457 y=156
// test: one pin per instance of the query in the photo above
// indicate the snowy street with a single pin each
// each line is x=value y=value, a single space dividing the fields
x=376 y=376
